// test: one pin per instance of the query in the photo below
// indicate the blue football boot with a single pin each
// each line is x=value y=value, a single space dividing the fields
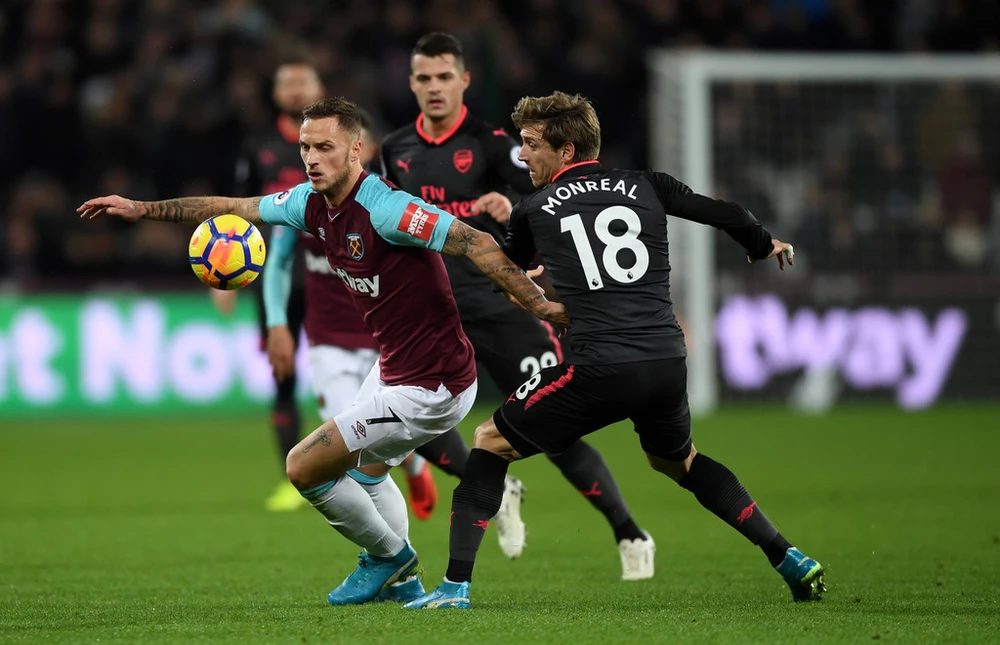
x=373 y=576
x=803 y=575
x=449 y=595
x=406 y=590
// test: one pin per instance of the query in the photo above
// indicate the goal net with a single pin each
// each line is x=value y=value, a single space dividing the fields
x=883 y=172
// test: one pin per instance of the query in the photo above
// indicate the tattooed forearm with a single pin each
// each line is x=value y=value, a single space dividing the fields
x=249 y=209
x=461 y=239
x=321 y=438
x=192 y=210
x=484 y=252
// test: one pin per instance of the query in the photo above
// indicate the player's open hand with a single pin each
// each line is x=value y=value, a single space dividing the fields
x=781 y=250
x=495 y=205
x=116 y=205
x=281 y=351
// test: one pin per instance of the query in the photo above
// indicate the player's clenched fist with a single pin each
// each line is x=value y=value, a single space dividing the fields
x=495 y=205
x=555 y=313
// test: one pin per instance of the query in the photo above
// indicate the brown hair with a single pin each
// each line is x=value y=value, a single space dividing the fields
x=345 y=111
x=564 y=119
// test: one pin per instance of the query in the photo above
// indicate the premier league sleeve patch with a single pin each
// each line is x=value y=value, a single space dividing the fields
x=355 y=246
x=418 y=222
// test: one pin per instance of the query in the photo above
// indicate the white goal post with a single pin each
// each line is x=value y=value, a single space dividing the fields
x=682 y=117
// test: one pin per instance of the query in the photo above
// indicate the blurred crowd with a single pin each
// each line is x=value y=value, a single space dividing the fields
x=151 y=99
x=871 y=177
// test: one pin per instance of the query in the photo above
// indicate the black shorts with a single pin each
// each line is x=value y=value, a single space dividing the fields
x=561 y=404
x=296 y=313
x=512 y=346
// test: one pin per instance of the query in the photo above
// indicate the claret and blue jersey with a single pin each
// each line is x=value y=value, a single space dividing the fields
x=384 y=244
x=384 y=206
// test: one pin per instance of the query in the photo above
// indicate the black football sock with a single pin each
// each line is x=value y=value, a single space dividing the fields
x=448 y=452
x=475 y=501
x=584 y=467
x=718 y=490
x=285 y=416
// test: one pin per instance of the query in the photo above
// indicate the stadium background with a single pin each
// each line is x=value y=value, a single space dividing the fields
x=117 y=375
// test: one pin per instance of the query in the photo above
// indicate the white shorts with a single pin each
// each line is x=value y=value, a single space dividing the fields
x=387 y=422
x=337 y=375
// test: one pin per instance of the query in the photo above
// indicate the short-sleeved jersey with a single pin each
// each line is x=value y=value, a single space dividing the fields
x=384 y=245
x=452 y=172
x=330 y=316
x=602 y=234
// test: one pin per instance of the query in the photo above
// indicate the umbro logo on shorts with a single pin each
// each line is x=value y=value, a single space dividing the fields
x=359 y=429
x=392 y=419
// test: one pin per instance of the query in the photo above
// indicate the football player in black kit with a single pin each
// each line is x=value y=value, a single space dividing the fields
x=602 y=236
x=465 y=166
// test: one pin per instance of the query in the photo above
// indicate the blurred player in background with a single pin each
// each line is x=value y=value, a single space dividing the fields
x=602 y=234
x=465 y=166
x=385 y=244
x=269 y=162
x=342 y=350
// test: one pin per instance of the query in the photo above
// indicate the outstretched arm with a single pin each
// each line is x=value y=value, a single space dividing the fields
x=486 y=254
x=185 y=210
x=739 y=223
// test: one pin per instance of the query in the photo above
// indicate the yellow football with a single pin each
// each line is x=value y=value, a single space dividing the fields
x=227 y=252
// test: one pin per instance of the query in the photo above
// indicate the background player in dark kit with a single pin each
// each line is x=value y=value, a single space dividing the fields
x=269 y=162
x=465 y=166
x=602 y=235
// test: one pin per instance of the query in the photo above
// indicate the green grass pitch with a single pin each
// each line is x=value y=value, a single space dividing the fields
x=153 y=531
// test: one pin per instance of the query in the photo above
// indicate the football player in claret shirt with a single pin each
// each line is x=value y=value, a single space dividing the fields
x=341 y=346
x=602 y=235
x=466 y=166
x=342 y=350
x=385 y=245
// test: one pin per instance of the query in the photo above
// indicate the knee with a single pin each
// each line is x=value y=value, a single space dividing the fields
x=319 y=458
x=296 y=471
x=488 y=438
x=675 y=470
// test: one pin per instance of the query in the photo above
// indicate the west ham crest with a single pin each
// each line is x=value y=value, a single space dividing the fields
x=462 y=160
x=355 y=246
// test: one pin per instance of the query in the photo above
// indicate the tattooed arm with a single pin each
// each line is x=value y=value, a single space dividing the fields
x=486 y=254
x=185 y=210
